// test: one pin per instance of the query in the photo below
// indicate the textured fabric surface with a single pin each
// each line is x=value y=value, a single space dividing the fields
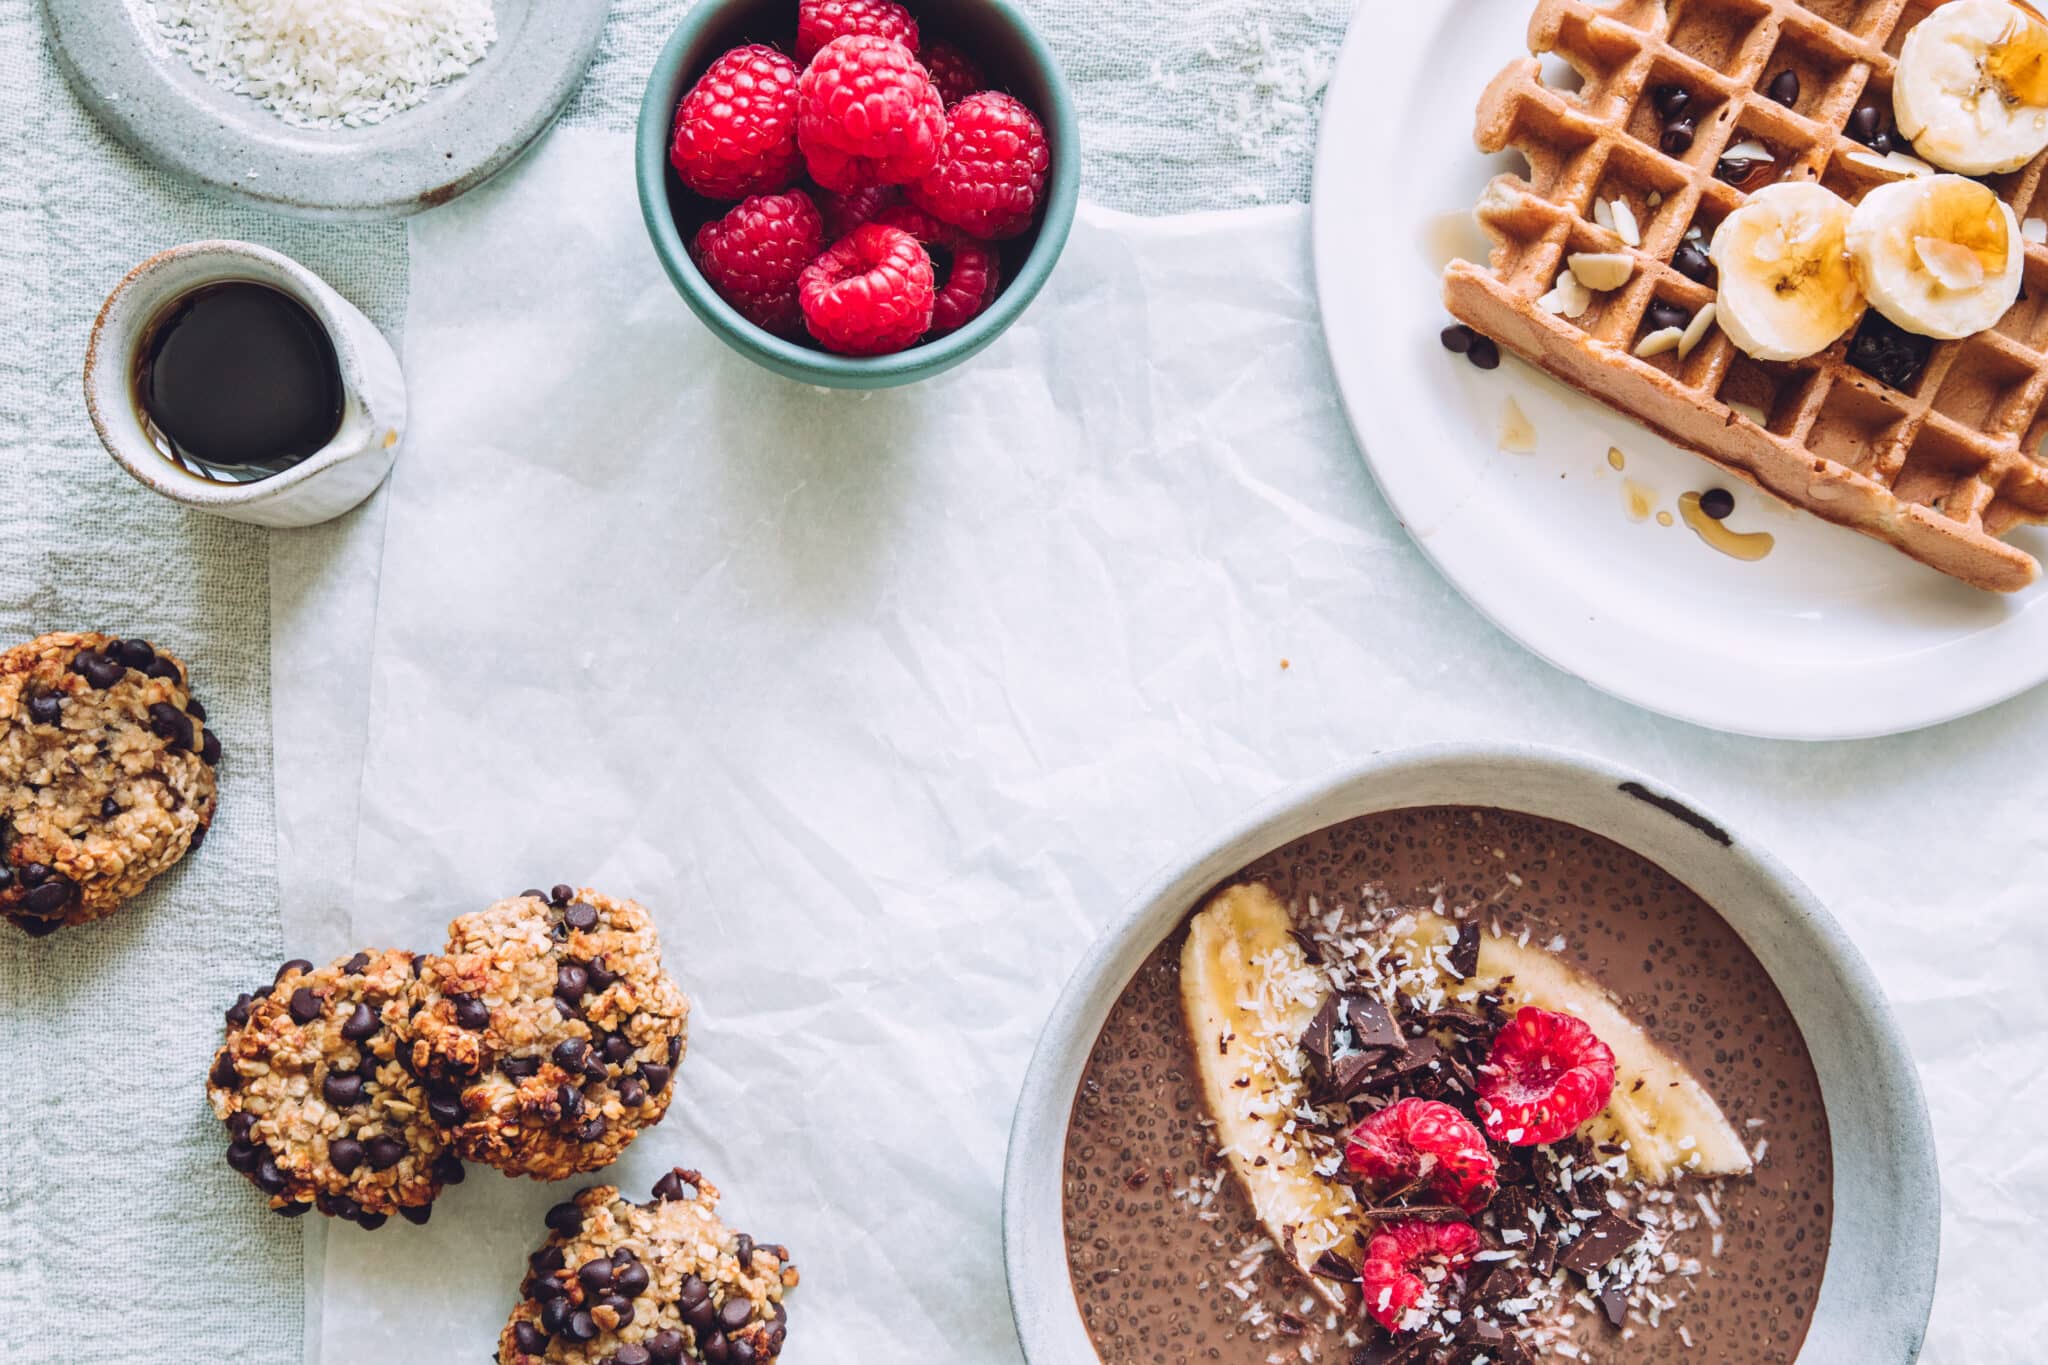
x=111 y=1186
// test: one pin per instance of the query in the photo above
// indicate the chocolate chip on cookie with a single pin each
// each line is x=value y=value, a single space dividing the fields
x=660 y=1283
x=551 y=1022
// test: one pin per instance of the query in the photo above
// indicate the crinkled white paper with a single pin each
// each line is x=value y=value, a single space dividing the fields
x=884 y=703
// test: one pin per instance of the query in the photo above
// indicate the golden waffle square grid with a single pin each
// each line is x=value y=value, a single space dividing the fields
x=1941 y=471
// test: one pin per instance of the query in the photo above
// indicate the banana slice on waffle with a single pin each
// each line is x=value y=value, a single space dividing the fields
x=1671 y=1125
x=1971 y=90
x=1787 y=289
x=1249 y=992
x=1938 y=255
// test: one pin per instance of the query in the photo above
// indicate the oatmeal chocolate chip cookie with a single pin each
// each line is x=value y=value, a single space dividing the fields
x=552 y=1024
x=319 y=1107
x=106 y=776
x=620 y=1283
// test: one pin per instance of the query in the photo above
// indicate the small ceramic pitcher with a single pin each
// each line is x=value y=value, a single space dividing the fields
x=320 y=487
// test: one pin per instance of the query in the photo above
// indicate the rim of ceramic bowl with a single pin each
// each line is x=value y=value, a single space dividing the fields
x=107 y=345
x=665 y=89
x=1885 y=1237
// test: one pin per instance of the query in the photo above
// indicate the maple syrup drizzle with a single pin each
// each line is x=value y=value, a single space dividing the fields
x=1744 y=545
x=1517 y=433
x=1639 y=500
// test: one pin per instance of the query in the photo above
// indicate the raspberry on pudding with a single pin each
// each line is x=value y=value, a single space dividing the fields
x=1441 y=1085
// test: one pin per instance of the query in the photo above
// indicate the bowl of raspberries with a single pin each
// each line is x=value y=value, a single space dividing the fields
x=854 y=193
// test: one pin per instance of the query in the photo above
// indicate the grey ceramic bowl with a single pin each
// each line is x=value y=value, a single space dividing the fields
x=1879 y=1282
x=1016 y=59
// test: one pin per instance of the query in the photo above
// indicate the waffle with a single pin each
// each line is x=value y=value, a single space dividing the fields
x=1940 y=472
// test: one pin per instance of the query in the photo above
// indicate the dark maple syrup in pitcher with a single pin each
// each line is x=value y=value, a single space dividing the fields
x=238 y=381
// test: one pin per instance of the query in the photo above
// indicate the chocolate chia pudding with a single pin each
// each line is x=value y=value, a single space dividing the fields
x=1172 y=1264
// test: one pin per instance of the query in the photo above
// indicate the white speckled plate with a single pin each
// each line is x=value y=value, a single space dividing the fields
x=465 y=131
x=1831 y=636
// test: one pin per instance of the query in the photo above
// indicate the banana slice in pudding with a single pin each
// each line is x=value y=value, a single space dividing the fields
x=1971 y=90
x=1940 y=256
x=1249 y=992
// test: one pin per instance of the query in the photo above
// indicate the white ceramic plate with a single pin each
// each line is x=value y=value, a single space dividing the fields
x=460 y=136
x=1879 y=1283
x=1831 y=636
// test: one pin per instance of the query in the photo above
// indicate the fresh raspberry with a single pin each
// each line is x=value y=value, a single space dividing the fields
x=867 y=114
x=969 y=271
x=1425 y=1140
x=952 y=71
x=818 y=22
x=870 y=294
x=736 y=129
x=1405 y=1261
x=754 y=255
x=845 y=212
x=991 y=172
x=1547 y=1074
x=971 y=284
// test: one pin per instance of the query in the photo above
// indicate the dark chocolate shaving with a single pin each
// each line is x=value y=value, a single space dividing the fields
x=1331 y=1266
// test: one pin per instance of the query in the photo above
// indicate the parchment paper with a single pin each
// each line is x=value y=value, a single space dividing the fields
x=885 y=703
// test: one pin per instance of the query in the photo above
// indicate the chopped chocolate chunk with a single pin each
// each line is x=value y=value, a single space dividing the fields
x=1465 y=953
x=1494 y=1283
x=1605 y=1238
x=1614 y=1304
x=1410 y=1350
x=1421 y=1054
x=1372 y=1026
x=1318 y=1039
x=1784 y=88
x=1543 y=1257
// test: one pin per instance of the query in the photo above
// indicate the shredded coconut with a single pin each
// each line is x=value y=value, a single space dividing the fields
x=329 y=63
x=1270 y=114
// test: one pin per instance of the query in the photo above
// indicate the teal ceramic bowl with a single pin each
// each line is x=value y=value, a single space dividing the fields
x=1016 y=59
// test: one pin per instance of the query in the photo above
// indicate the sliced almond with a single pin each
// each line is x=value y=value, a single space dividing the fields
x=1603 y=214
x=1695 y=331
x=1568 y=297
x=1952 y=264
x=1658 y=342
x=2035 y=230
x=1625 y=223
x=1601 y=271
x=1749 y=149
